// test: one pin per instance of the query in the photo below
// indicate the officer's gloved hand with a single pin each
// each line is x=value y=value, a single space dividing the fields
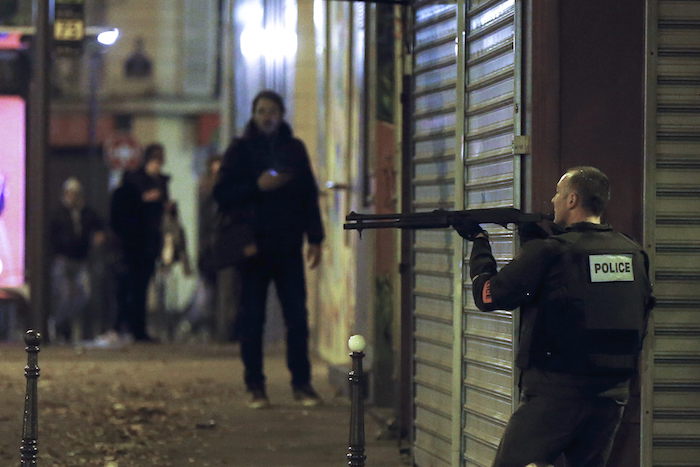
x=469 y=229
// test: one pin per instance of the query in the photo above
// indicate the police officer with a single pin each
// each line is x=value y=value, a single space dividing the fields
x=585 y=297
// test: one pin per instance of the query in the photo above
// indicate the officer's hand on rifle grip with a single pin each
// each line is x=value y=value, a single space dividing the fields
x=469 y=229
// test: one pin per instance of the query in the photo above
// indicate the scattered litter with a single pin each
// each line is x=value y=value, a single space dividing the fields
x=207 y=425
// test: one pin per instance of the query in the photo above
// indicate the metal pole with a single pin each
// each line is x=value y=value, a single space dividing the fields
x=356 y=448
x=29 y=449
x=37 y=142
x=93 y=104
x=406 y=265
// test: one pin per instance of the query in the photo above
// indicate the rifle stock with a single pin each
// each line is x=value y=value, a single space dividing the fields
x=440 y=219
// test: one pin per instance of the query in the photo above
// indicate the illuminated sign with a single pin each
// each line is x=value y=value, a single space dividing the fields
x=69 y=26
x=12 y=191
x=10 y=40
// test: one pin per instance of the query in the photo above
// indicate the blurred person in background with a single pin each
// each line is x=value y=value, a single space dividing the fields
x=166 y=285
x=136 y=217
x=200 y=315
x=74 y=229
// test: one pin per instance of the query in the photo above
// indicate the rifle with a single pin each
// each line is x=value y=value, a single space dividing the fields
x=441 y=219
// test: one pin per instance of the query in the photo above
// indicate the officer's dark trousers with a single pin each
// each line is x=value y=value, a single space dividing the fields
x=132 y=286
x=543 y=427
x=286 y=269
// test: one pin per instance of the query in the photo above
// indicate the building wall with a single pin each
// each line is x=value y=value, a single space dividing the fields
x=306 y=110
x=589 y=111
x=602 y=98
x=160 y=28
x=305 y=125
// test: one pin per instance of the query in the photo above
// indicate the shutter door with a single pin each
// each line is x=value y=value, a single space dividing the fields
x=675 y=430
x=490 y=165
x=432 y=172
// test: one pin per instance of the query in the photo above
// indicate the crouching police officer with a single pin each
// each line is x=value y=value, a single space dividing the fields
x=585 y=298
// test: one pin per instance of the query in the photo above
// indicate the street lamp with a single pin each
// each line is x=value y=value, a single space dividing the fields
x=108 y=37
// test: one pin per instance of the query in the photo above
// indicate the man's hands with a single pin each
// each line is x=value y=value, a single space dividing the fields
x=470 y=229
x=271 y=180
x=313 y=254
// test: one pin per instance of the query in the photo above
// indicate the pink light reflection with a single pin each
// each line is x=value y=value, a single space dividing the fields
x=12 y=190
x=10 y=40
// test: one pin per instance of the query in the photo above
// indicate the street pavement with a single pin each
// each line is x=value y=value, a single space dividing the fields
x=173 y=405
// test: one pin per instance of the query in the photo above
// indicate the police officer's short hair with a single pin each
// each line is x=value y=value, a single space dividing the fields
x=592 y=185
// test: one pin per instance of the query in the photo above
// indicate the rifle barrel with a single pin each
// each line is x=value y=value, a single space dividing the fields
x=440 y=218
x=394 y=224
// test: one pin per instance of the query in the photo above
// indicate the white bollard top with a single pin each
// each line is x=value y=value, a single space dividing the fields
x=357 y=343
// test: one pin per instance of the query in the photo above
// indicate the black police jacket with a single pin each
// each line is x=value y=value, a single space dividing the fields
x=585 y=296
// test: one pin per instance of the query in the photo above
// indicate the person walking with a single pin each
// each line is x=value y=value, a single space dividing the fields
x=137 y=208
x=585 y=299
x=266 y=178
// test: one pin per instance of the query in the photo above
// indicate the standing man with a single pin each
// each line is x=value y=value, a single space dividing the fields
x=585 y=296
x=266 y=179
x=136 y=219
x=75 y=228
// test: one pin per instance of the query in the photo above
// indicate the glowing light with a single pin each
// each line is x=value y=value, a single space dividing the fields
x=10 y=40
x=272 y=43
x=319 y=14
x=108 y=37
x=290 y=14
x=250 y=14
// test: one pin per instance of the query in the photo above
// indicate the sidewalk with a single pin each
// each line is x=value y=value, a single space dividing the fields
x=167 y=405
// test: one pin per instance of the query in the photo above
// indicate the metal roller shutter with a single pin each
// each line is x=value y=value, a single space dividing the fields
x=433 y=183
x=490 y=180
x=673 y=401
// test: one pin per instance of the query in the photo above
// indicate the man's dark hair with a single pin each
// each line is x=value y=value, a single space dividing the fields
x=270 y=95
x=153 y=151
x=592 y=185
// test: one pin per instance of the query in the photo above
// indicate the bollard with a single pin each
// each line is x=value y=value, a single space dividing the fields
x=356 y=448
x=29 y=449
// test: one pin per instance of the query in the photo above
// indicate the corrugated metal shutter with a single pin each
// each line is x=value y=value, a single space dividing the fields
x=433 y=183
x=490 y=169
x=675 y=402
